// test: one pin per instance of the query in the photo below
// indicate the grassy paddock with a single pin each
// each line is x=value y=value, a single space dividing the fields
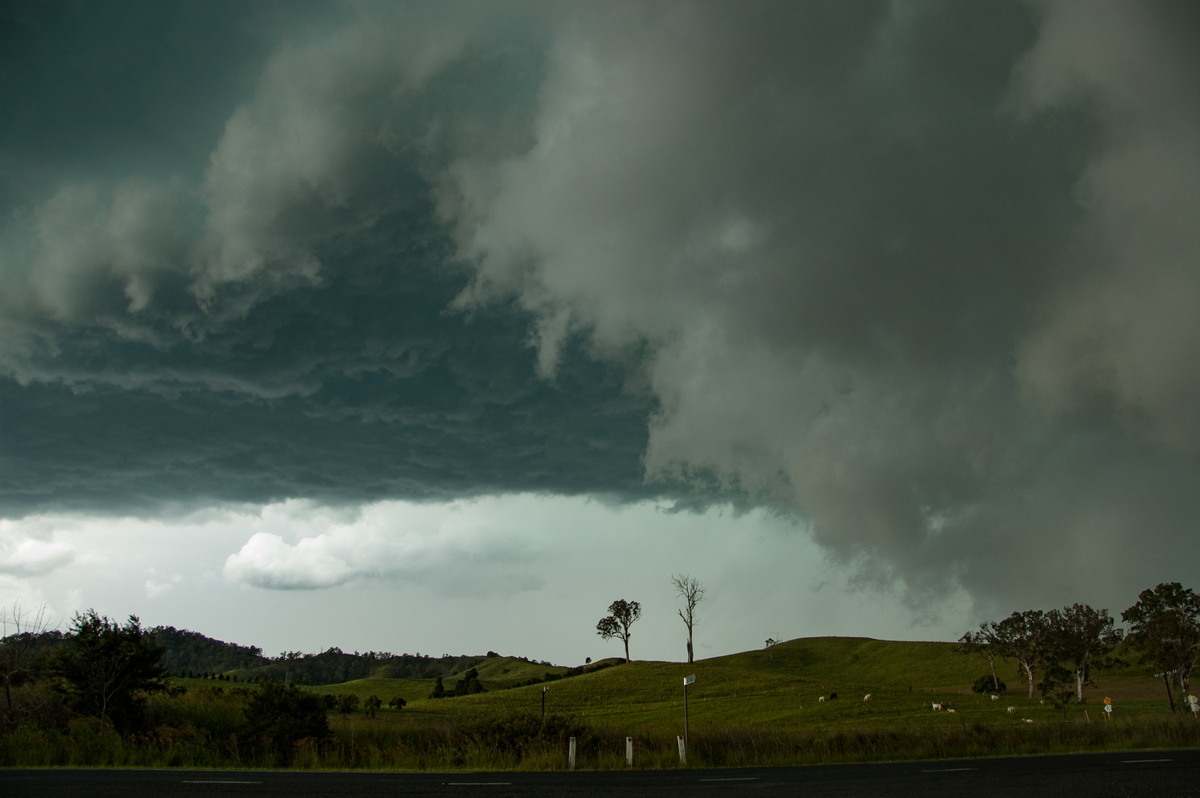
x=753 y=709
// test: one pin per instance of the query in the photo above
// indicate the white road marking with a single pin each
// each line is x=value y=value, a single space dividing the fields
x=740 y=778
x=948 y=770
x=221 y=781
x=1140 y=761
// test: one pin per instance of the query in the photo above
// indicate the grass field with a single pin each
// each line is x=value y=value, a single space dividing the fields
x=757 y=708
x=780 y=688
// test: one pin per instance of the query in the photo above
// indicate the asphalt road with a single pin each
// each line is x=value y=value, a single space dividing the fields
x=1160 y=774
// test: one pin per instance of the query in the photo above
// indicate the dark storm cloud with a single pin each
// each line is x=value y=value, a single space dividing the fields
x=278 y=328
x=921 y=275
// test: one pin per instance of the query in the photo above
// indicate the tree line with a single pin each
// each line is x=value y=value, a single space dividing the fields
x=1066 y=646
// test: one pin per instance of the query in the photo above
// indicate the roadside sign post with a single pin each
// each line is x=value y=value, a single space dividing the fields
x=684 y=740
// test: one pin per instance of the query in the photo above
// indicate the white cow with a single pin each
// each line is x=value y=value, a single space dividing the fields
x=867 y=697
x=995 y=698
x=938 y=707
x=1012 y=710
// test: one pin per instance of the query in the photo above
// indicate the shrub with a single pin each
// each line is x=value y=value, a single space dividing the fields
x=985 y=684
x=279 y=717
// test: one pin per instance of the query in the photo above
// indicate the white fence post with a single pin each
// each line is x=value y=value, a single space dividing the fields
x=571 y=754
x=629 y=752
x=682 y=750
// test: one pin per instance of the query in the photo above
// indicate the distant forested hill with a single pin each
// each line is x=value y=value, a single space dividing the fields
x=188 y=653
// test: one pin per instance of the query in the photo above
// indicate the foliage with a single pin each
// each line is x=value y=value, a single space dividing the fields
x=621 y=615
x=186 y=652
x=397 y=702
x=279 y=717
x=984 y=643
x=469 y=684
x=1165 y=632
x=347 y=703
x=988 y=684
x=19 y=648
x=439 y=689
x=1081 y=637
x=1024 y=638
x=107 y=669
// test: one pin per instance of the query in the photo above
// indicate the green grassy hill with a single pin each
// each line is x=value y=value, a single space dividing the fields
x=778 y=688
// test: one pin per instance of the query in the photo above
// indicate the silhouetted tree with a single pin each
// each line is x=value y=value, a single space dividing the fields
x=109 y=669
x=469 y=684
x=1164 y=629
x=18 y=647
x=1024 y=637
x=439 y=689
x=622 y=615
x=279 y=716
x=692 y=592
x=347 y=704
x=1081 y=638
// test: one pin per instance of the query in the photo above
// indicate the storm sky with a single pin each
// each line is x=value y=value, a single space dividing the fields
x=439 y=326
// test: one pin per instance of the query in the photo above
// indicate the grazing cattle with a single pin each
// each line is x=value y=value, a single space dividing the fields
x=995 y=698
x=821 y=699
x=1027 y=720
x=937 y=707
x=832 y=696
x=1012 y=710
x=867 y=697
x=951 y=710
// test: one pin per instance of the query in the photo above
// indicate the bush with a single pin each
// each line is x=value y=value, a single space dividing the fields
x=279 y=717
x=985 y=684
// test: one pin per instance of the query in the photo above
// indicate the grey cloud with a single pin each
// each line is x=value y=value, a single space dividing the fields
x=886 y=261
x=920 y=275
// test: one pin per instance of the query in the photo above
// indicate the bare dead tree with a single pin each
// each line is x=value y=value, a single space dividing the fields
x=19 y=630
x=692 y=592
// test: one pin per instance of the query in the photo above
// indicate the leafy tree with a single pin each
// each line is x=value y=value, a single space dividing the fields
x=372 y=705
x=469 y=684
x=347 y=703
x=1024 y=637
x=692 y=592
x=439 y=689
x=1058 y=685
x=1164 y=629
x=397 y=702
x=279 y=716
x=983 y=643
x=988 y=683
x=1081 y=637
x=108 y=669
x=622 y=615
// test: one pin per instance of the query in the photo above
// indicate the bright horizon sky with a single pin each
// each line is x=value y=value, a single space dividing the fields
x=438 y=326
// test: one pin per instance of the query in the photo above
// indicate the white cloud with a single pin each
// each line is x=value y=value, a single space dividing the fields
x=23 y=555
x=451 y=546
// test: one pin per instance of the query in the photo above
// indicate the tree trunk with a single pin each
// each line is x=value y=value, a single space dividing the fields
x=1167 y=683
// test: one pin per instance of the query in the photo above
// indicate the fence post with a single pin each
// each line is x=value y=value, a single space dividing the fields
x=629 y=752
x=682 y=750
x=571 y=754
